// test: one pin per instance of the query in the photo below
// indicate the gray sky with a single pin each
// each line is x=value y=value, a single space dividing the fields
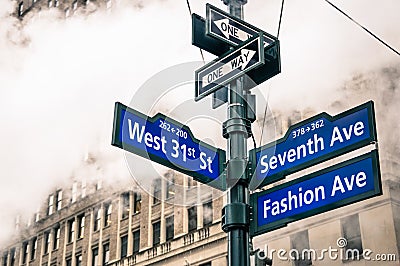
x=60 y=78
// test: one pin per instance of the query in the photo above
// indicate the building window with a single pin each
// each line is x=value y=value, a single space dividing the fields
x=108 y=4
x=25 y=250
x=59 y=200
x=5 y=259
x=28 y=222
x=191 y=183
x=170 y=228
x=95 y=256
x=107 y=213
x=124 y=246
x=157 y=191
x=74 y=193
x=206 y=264
x=352 y=233
x=78 y=260
x=192 y=215
x=136 y=241
x=51 y=204
x=37 y=215
x=68 y=262
x=13 y=256
x=81 y=224
x=99 y=184
x=33 y=248
x=75 y=5
x=50 y=3
x=83 y=194
x=137 y=202
x=20 y=8
x=125 y=205
x=71 y=230
x=56 y=237
x=46 y=242
x=300 y=247
x=97 y=219
x=106 y=253
x=156 y=233
x=207 y=214
x=17 y=220
x=171 y=188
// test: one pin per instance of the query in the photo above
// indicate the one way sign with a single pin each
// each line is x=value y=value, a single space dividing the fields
x=238 y=62
x=232 y=30
x=232 y=65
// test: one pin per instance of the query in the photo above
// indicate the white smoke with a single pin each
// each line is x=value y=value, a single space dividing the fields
x=60 y=78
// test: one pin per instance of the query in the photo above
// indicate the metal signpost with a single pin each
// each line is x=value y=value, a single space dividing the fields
x=312 y=141
x=168 y=142
x=248 y=53
x=236 y=214
x=342 y=184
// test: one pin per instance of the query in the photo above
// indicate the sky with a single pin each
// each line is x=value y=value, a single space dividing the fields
x=60 y=78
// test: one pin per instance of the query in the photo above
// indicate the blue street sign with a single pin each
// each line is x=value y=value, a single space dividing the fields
x=168 y=142
x=312 y=141
x=231 y=66
x=346 y=183
x=232 y=30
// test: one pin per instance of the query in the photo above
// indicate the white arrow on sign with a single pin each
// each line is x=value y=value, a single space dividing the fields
x=240 y=61
x=230 y=30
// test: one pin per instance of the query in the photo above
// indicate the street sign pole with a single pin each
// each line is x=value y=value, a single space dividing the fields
x=236 y=213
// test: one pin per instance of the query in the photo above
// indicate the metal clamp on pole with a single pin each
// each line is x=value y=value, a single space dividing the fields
x=235 y=215
x=239 y=125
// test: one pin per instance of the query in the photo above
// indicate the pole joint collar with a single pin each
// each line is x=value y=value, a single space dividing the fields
x=236 y=125
x=235 y=215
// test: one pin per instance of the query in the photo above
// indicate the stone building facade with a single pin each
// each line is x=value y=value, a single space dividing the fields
x=91 y=224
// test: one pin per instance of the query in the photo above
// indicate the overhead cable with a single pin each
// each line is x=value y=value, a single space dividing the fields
x=364 y=28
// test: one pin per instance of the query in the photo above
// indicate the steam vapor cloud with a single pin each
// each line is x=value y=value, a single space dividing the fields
x=60 y=78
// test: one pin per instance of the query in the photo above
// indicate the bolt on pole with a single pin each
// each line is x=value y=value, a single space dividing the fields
x=236 y=214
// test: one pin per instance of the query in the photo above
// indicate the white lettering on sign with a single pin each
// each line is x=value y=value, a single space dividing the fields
x=310 y=146
x=204 y=165
x=293 y=200
x=149 y=140
x=230 y=30
x=357 y=129
x=313 y=145
x=175 y=149
x=360 y=180
x=241 y=61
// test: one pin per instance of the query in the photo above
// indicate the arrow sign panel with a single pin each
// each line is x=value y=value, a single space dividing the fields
x=228 y=67
x=346 y=183
x=232 y=30
x=219 y=47
x=312 y=141
x=168 y=142
x=204 y=41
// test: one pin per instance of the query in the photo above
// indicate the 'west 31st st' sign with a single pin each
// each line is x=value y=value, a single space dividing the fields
x=168 y=142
